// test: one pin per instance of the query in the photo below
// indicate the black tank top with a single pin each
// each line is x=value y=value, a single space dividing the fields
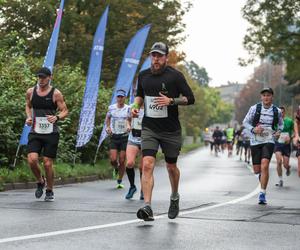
x=43 y=106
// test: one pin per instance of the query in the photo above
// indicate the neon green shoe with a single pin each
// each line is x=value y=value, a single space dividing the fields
x=120 y=186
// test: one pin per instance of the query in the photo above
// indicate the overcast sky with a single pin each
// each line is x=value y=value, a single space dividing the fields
x=215 y=30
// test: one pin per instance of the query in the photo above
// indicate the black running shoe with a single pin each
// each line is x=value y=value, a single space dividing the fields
x=173 y=209
x=145 y=213
x=39 y=189
x=49 y=195
x=288 y=171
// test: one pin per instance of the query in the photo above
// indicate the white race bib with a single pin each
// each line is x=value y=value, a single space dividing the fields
x=119 y=126
x=265 y=136
x=153 y=110
x=43 y=126
x=284 y=137
x=137 y=123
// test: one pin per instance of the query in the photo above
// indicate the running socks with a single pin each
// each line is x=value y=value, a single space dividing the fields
x=175 y=196
x=131 y=175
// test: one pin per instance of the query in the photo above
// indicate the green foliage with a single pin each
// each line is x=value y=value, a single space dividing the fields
x=34 y=19
x=208 y=108
x=17 y=75
x=62 y=171
x=199 y=74
x=274 y=32
x=219 y=111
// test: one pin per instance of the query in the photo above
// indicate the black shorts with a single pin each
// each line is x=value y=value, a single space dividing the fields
x=170 y=142
x=48 y=143
x=118 y=142
x=284 y=149
x=239 y=143
x=261 y=151
x=217 y=142
x=246 y=144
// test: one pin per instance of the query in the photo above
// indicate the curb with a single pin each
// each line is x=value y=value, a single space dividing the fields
x=57 y=182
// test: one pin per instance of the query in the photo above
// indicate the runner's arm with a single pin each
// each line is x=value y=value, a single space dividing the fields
x=296 y=129
x=247 y=122
x=61 y=105
x=187 y=97
x=28 y=106
x=280 y=121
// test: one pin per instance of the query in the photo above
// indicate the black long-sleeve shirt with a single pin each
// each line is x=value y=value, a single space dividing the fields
x=172 y=81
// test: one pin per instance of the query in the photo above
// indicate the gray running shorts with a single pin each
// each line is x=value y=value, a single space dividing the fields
x=170 y=142
x=138 y=145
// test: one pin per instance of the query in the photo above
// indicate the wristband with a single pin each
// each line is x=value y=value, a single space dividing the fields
x=180 y=101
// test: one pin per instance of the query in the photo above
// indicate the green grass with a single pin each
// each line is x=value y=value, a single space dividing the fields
x=102 y=169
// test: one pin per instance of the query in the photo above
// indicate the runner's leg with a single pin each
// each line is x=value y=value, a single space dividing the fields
x=33 y=161
x=147 y=178
x=48 y=165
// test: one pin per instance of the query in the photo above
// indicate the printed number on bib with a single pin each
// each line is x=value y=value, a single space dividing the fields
x=120 y=126
x=265 y=136
x=153 y=110
x=43 y=126
x=137 y=123
x=284 y=137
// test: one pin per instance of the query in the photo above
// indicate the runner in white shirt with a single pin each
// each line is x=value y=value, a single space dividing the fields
x=132 y=151
x=117 y=127
x=264 y=120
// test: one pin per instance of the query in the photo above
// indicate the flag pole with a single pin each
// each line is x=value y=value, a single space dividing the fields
x=95 y=158
x=74 y=158
x=16 y=157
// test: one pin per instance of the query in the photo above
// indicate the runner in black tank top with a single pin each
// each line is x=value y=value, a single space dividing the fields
x=42 y=104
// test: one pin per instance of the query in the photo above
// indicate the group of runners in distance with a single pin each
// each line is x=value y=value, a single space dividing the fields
x=220 y=140
x=152 y=122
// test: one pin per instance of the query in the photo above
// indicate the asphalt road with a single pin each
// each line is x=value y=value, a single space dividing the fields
x=219 y=210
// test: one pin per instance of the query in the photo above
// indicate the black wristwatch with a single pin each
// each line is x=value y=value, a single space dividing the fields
x=172 y=102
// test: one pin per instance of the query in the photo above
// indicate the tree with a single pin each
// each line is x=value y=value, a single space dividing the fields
x=199 y=74
x=34 y=19
x=265 y=75
x=274 y=32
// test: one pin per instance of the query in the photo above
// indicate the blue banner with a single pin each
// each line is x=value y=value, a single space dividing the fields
x=129 y=66
x=145 y=65
x=51 y=51
x=49 y=59
x=87 y=114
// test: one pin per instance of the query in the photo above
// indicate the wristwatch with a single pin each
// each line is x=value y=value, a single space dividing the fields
x=172 y=102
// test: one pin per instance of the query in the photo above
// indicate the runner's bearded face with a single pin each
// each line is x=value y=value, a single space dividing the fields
x=267 y=99
x=44 y=81
x=158 y=62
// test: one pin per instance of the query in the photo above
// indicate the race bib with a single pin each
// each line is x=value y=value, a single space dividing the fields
x=119 y=126
x=284 y=137
x=137 y=123
x=43 y=126
x=265 y=136
x=153 y=110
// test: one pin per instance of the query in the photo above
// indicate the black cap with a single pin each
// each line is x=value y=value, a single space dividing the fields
x=160 y=47
x=121 y=92
x=44 y=72
x=269 y=90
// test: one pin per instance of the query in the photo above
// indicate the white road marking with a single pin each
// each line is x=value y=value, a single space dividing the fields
x=82 y=229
